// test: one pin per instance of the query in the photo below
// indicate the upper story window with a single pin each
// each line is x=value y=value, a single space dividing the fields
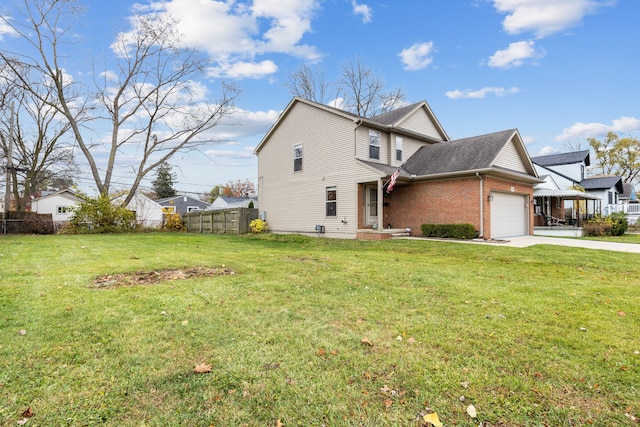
x=332 y=204
x=374 y=144
x=297 y=157
x=399 y=148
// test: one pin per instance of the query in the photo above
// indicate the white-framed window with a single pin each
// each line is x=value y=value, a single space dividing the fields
x=399 y=148
x=62 y=210
x=193 y=208
x=374 y=144
x=332 y=201
x=297 y=157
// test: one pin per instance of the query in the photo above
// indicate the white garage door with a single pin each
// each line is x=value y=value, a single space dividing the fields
x=508 y=215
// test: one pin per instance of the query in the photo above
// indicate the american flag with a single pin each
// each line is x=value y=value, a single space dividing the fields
x=392 y=180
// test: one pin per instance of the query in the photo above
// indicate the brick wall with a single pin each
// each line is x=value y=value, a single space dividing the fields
x=451 y=201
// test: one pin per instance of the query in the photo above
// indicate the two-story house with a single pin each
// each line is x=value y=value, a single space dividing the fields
x=324 y=170
x=567 y=195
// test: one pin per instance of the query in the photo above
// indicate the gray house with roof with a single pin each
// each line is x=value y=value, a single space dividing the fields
x=567 y=195
x=182 y=204
x=324 y=171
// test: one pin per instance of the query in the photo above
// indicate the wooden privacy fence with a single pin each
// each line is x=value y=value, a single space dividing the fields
x=222 y=221
x=26 y=223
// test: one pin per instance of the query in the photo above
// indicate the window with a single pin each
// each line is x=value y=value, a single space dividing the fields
x=61 y=210
x=169 y=210
x=399 y=148
x=331 y=201
x=193 y=208
x=297 y=157
x=374 y=144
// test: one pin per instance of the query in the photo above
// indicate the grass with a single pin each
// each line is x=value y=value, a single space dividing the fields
x=316 y=332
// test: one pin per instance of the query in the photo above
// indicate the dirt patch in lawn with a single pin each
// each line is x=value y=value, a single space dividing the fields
x=153 y=277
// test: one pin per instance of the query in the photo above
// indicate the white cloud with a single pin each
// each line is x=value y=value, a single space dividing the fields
x=481 y=93
x=234 y=33
x=362 y=10
x=5 y=28
x=515 y=55
x=545 y=17
x=239 y=70
x=546 y=150
x=417 y=57
x=582 y=131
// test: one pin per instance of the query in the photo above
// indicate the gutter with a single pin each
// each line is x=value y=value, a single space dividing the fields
x=481 y=204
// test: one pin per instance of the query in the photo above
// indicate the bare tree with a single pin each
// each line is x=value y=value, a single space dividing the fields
x=364 y=91
x=310 y=83
x=359 y=88
x=41 y=151
x=150 y=101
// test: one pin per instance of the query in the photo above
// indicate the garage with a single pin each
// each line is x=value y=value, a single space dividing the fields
x=509 y=215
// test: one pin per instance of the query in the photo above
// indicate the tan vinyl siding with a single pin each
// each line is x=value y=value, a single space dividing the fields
x=295 y=201
x=410 y=146
x=509 y=158
x=420 y=122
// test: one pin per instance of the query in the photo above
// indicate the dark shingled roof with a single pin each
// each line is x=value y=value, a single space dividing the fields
x=466 y=154
x=562 y=158
x=392 y=117
x=602 y=182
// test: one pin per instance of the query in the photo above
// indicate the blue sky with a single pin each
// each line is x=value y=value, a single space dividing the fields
x=560 y=71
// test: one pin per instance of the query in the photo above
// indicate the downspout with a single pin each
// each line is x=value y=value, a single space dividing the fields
x=481 y=204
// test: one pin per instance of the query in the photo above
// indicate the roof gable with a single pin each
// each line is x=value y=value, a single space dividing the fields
x=468 y=154
x=563 y=158
x=66 y=194
x=602 y=183
x=390 y=121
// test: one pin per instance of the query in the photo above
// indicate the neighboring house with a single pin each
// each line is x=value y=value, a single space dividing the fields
x=321 y=169
x=564 y=201
x=60 y=204
x=628 y=194
x=148 y=213
x=229 y=202
x=182 y=204
x=606 y=187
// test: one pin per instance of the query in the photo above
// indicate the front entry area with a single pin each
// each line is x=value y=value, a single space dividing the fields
x=371 y=205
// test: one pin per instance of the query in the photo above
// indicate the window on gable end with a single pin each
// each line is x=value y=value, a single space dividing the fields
x=399 y=148
x=374 y=144
x=297 y=157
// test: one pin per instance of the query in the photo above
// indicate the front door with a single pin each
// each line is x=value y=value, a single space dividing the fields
x=371 y=204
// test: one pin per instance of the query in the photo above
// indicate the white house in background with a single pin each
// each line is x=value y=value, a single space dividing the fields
x=148 y=212
x=228 y=202
x=60 y=204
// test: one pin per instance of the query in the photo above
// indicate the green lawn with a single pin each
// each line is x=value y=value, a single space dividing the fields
x=311 y=332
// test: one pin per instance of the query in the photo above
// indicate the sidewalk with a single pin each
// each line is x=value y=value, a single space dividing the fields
x=526 y=241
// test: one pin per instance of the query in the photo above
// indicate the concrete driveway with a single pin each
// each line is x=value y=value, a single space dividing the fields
x=526 y=241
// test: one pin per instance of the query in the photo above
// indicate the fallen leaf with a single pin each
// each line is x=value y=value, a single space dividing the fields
x=386 y=389
x=279 y=423
x=433 y=419
x=621 y=313
x=28 y=413
x=366 y=341
x=202 y=368
x=22 y=332
x=23 y=421
x=387 y=403
x=471 y=410
x=334 y=352
x=320 y=352
x=631 y=417
x=411 y=340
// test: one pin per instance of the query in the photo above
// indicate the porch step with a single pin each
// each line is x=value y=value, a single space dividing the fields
x=385 y=233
